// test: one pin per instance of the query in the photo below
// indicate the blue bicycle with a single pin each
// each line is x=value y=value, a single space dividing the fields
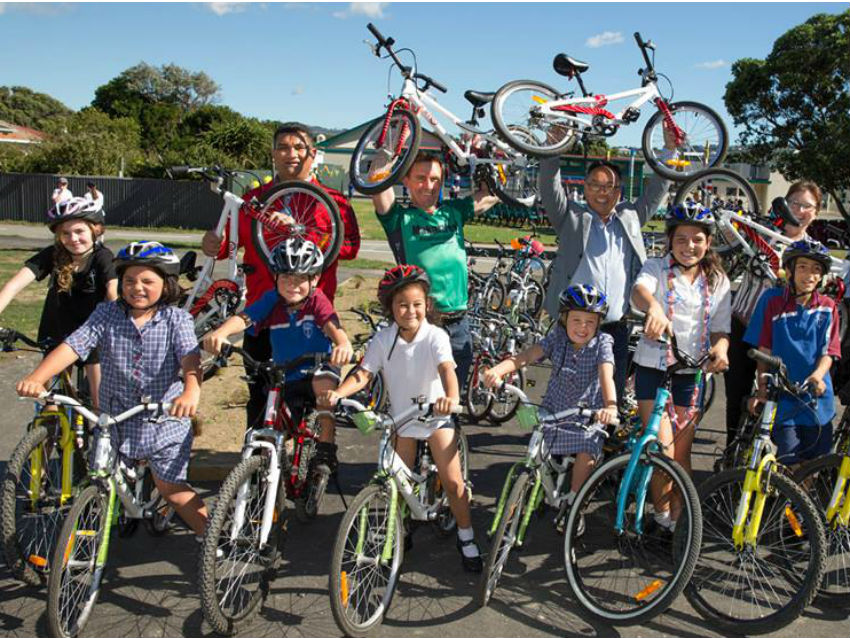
x=621 y=565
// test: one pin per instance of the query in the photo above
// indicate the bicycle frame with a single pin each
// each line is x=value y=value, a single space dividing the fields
x=569 y=108
x=838 y=508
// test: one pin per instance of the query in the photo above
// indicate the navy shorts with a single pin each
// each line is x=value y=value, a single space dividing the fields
x=648 y=380
x=801 y=442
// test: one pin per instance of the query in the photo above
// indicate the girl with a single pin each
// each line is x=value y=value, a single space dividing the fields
x=416 y=358
x=582 y=373
x=81 y=275
x=145 y=343
x=685 y=293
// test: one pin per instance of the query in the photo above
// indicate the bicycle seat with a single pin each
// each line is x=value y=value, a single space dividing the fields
x=479 y=98
x=565 y=65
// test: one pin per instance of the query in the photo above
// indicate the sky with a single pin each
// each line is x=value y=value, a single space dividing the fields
x=308 y=62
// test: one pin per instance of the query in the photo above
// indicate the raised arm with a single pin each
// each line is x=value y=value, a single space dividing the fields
x=554 y=199
x=35 y=383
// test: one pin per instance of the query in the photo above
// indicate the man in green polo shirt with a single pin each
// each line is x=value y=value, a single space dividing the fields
x=429 y=234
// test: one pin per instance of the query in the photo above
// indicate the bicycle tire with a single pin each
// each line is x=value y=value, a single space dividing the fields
x=315 y=482
x=358 y=170
x=493 y=295
x=444 y=523
x=239 y=606
x=25 y=552
x=68 y=614
x=504 y=538
x=818 y=478
x=508 y=119
x=719 y=496
x=648 y=556
x=344 y=568
x=514 y=183
x=708 y=130
x=531 y=303
x=302 y=201
x=478 y=400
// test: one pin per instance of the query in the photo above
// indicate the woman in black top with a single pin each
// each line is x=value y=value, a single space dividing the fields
x=81 y=275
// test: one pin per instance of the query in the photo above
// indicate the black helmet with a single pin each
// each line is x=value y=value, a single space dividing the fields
x=810 y=249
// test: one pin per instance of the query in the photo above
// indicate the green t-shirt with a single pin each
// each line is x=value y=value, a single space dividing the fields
x=434 y=242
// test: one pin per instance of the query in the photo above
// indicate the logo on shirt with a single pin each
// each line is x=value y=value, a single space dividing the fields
x=438 y=229
x=307 y=329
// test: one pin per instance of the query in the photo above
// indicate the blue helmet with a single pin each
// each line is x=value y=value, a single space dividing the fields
x=585 y=298
x=690 y=213
x=810 y=249
x=148 y=253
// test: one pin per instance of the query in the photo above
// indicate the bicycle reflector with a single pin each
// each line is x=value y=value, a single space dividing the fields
x=365 y=421
x=527 y=416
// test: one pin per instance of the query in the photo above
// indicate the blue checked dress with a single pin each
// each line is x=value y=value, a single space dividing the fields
x=574 y=381
x=142 y=362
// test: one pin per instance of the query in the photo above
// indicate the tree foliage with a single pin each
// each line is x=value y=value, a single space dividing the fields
x=25 y=107
x=793 y=107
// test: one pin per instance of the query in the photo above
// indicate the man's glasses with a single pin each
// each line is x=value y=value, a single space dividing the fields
x=596 y=187
x=803 y=206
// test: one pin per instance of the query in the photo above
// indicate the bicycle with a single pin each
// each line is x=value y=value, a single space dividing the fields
x=43 y=476
x=524 y=293
x=620 y=569
x=537 y=479
x=764 y=547
x=537 y=120
x=394 y=139
x=79 y=558
x=369 y=545
x=246 y=530
x=309 y=212
x=372 y=396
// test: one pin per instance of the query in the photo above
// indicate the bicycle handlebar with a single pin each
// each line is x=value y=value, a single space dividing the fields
x=557 y=416
x=270 y=366
x=643 y=46
x=775 y=363
x=387 y=44
x=8 y=336
x=61 y=399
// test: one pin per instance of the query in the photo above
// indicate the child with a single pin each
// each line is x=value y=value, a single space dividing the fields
x=687 y=294
x=81 y=275
x=799 y=325
x=416 y=359
x=302 y=320
x=582 y=373
x=145 y=343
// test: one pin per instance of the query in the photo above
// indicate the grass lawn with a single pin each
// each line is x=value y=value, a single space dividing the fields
x=24 y=312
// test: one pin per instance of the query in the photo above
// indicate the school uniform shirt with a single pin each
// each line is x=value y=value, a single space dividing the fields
x=64 y=312
x=800 y=336
x=410 y=370
x=688 y=302
x=294 y=333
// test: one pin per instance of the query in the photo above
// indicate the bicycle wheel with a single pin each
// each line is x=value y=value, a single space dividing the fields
x=516 y=116
x=235 y=572
x=397 y=151
x=32 y=509
x=478 y=399
x=493 y=295
x=361 y=583
x=761 y=589
x=444 y=523
x=704 y=145
x=161 y=512
x=717 y=188
x=505 y=538
x=512 y=180
x=505 y=404
x=74 y=585
x=314 y=216
x=315 y=484
x=529 y=298
x=630 y=577
x=818 y=478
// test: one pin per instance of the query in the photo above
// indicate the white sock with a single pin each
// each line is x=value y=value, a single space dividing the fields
x=466 y=534
x=663 y=519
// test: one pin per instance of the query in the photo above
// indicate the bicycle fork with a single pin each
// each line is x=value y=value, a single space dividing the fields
x=838 y=510
x=66 y=445
x=272 y=479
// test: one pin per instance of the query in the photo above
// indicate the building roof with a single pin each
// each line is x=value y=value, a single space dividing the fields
x=12 y=133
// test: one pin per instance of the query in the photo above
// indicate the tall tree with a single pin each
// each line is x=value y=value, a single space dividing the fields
x=794 y=106
x=25 y=107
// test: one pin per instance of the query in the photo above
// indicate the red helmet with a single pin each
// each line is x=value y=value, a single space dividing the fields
x=399 y=276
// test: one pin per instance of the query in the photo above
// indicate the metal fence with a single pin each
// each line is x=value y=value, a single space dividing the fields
x=127 y=202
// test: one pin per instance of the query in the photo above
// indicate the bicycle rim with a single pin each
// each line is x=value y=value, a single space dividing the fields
x=397 y=150
x=629 y=577
x=763 y=588
x=517 y=119
x=704 y=146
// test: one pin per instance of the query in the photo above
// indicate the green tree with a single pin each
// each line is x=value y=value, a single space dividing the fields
x=793 y=107
x=25 y=107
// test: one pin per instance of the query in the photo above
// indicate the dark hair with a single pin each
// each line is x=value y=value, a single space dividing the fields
x=710 y=265
x=431 y=314
x=90 y=184
x=294 y=128
x=597 y=164
x=428 y=156
x=805 y=185
x=171 y=290
x=63 y=261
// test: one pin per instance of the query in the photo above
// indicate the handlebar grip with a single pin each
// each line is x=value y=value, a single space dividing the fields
x=226 y=350
x=179 y=171
x=638 y=39
x=439 y=86
x=374 y=31
x=768 y=360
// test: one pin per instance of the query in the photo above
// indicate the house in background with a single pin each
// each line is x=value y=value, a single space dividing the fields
x=14 y=134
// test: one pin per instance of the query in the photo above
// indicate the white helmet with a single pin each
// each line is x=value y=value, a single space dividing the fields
x=297 y=256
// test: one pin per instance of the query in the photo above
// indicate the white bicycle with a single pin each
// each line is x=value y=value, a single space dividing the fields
x=538 y=120
x=394 y=139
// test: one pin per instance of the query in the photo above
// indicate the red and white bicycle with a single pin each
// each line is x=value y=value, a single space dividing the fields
x=537 y=120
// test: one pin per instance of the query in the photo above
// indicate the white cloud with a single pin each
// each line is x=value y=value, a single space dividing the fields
x=604 y=39
x=373 y=10
x=714 y=64
x=223 y=8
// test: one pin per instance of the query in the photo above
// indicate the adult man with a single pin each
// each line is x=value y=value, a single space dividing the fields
x=293 y=154
x=62 y=193
x=600 y=242
x=429 y=234
x=94 y=195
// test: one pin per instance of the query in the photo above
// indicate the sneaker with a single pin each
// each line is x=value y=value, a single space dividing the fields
x=325 y=455
x=473 y=564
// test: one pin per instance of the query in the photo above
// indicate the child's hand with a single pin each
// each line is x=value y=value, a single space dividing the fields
x=341 y=354
x=213 y=342
x=719 y=362
x=444 y=405
x=753 y=405
x=817 y=385
x=29 y=387
x=607 y=416
x=657 y=323
x=327 y=400
x=186 y=405
x=490 y=378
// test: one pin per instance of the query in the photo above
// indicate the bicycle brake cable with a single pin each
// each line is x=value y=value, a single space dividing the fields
x=670 y=99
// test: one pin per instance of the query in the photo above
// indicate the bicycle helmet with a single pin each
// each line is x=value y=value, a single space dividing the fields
x=148 y=253
x=399 y=276
x=297 y=256
x=585 y=298
x=74 y=208
x=810 y=249
x=689 y=213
